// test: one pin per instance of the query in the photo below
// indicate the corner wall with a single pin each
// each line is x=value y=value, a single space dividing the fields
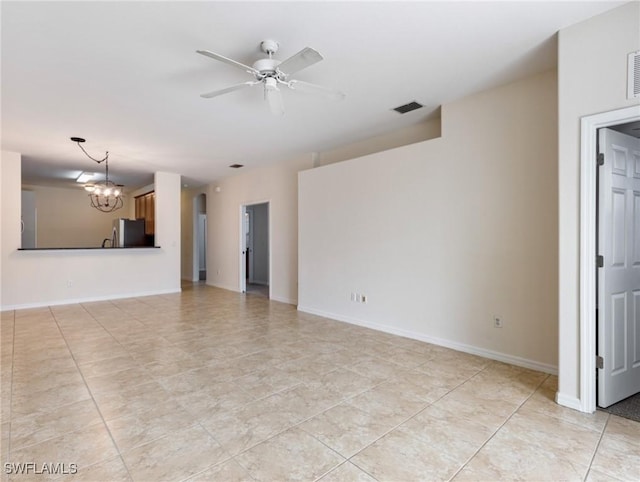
x=42 y=278
x=592 y=76
x=277 y=185
x=422 y=131
x=444 y=234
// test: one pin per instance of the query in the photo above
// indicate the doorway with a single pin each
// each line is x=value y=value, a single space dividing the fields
x=590 y=125
x=618 y=273
x=200 y=238
x=255 y=262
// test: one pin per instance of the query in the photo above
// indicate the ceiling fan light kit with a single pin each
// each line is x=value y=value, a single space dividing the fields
x=272 y=73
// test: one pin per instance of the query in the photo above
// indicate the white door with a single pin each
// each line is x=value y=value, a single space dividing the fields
x=202 y=247
x=619 y=277
x=244 y=244
x=250 y=250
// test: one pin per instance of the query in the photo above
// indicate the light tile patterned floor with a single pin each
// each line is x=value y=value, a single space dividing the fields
x=214 y=385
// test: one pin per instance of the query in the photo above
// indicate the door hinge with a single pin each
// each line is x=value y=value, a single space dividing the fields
x=599 y=362
x=601 y=159
x=600 y=261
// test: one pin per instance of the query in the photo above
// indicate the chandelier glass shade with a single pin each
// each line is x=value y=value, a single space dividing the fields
x=105 y=196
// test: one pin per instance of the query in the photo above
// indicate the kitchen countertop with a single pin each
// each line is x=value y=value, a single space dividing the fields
x=89 y=247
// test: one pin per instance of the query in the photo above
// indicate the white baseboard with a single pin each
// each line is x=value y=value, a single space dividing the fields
x=271 y=297
x=89 y=299
x=223 y=287
x=568 y=401
x=283 y=300
x=474 y=350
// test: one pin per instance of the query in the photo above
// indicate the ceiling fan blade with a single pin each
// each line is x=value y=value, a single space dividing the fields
x=303 y=59
x=216 y=93
x=226 y=60
x=309 y=88
x=274 y=98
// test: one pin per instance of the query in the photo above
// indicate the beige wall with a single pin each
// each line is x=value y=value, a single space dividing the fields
x=187 y=197
x=65 y=218
x=167 y=227
x=592 y=73
x=401 y=137
x=41 y=278
x=444 y=234
x=277 y=185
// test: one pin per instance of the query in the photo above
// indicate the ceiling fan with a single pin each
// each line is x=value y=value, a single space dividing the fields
x=273 y=74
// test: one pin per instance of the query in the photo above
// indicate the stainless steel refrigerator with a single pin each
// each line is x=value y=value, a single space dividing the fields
x=128 y=233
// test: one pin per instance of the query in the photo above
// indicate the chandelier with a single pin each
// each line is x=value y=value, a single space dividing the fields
x=105 y=196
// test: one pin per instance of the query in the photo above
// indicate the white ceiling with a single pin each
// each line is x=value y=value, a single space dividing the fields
x=125 y=75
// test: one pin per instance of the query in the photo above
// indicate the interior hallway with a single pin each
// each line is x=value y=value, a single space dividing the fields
x=256 y=289
x=214 y=385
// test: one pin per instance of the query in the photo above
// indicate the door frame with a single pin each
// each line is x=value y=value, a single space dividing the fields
x=242 y=285
x=202 y=245
x=195 y=241
x=589 y=126
x=250 y=249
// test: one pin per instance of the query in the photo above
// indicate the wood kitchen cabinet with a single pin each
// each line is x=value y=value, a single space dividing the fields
x=146 y=209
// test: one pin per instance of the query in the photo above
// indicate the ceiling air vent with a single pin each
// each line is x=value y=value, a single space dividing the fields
x=236 y=166
x=403 y=109
x=633 y=79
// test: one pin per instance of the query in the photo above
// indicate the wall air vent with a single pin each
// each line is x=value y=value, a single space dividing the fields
x=633 y=76
x=236 y=166
x=403 y=109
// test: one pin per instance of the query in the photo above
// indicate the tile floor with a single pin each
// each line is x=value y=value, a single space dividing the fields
x=214 y=385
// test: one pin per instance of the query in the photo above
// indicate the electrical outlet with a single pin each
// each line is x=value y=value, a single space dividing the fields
x=497 y=322
x=69 y=283
x=358 y=297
